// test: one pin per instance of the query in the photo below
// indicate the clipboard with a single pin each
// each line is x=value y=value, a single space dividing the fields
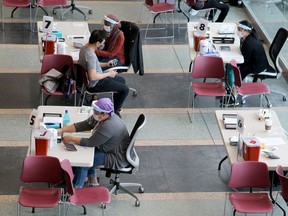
x=69 y=147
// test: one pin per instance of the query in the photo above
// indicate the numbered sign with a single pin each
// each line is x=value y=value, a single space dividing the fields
x=47 y=24
x=240 y=124
x=32 y=118
x=202 y=27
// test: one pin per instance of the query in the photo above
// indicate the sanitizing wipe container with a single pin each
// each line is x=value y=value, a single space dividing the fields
x=42 y=139
x=197 y=39
x=251 y=148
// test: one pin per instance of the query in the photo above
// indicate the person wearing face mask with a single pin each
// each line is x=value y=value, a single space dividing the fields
x=114 y=45
x=255 y=59
x=99 y=81
x=110 y=138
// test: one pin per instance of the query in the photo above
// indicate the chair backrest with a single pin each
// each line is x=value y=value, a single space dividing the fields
x=58 y=62
x=52 y=2
x=250 y=174
x=237 y=74
x=208 y=67
x=41 y=169
x=149 y=2
x=131 y=154
x=82 y=76
x=13 y=3
x=283 y=181
x=276 y=46
x=68 y=176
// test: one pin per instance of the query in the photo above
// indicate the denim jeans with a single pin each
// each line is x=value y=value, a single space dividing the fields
x=116 y=84
x=224 y=8
x=81 y=173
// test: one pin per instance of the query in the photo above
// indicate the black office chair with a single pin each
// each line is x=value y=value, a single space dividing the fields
x=274 y=50
x=132 y=49
x=133 y=166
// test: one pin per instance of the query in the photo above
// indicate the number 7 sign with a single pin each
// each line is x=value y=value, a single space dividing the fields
x=47 y=24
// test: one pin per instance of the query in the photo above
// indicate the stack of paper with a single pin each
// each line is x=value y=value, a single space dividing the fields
x=230 y=121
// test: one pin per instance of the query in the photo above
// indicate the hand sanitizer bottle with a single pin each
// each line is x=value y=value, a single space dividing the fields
x=66 y=118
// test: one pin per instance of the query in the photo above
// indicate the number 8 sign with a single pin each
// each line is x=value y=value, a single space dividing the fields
x=202 y=27
x=47 y=24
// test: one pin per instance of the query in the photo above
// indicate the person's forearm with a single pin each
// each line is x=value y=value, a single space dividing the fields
x=70 y=129
x=104 y=64
x=73 y=139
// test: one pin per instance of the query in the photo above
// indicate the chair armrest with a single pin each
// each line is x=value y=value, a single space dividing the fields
x=117 y=68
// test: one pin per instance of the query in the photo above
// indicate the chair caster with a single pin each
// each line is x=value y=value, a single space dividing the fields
x=284 y=98
x=141 y=190
x=85 y=18
x=90 y=11
x=54 y=12
x=103 y=206
x=269 y=105
x=243 y=102
x=137 y=203
x=134 y=93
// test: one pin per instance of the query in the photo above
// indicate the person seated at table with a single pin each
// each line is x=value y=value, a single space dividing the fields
x=255 y=59
x=114 y=44
x=216 y=4
x=109 y=137
x=99 y=81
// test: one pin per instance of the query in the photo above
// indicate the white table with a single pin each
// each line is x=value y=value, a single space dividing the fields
x=84 y=156
x=253 y=126
x=227 y=56
x=72 y=32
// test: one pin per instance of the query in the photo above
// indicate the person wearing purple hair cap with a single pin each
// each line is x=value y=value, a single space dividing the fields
x=110 y=138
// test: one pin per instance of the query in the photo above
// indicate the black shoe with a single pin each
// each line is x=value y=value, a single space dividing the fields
x=229 y=102
x=118 y=113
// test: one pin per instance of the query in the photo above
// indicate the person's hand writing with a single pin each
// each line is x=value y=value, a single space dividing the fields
x=112 y=73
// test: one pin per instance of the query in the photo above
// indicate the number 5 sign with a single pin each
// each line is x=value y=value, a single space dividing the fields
x=47 y=24
x=32 y=118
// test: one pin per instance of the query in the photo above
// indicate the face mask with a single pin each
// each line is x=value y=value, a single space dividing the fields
x=107 y=28
x=240 y=34
x=101 y=47
x=96 y=117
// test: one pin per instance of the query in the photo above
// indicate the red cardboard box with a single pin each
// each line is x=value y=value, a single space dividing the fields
x=251 y=148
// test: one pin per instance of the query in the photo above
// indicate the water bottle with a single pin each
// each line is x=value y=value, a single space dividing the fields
x=66 y=118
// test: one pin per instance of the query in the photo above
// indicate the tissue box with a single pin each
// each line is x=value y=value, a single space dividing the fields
x=251 y=148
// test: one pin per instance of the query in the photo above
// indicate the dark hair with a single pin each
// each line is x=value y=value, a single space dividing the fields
x=252 y=32
x=97 y=36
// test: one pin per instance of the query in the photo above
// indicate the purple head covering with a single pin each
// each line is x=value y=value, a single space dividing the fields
x=103 y=105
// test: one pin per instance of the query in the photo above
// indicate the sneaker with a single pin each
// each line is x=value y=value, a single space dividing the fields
x=230 y=102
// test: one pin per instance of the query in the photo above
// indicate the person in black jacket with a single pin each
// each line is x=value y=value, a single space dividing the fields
x=255 y=59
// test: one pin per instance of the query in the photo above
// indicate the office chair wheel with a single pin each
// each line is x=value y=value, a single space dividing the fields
x=134 y=93
x=141 y=190
x=54 y=12
x=284 y=98
x=243 y=102
x=137 y=203
x=103 y=205
x=269 y=105
x=90 y=11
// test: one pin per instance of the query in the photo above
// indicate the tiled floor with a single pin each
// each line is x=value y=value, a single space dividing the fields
x=178 y=159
